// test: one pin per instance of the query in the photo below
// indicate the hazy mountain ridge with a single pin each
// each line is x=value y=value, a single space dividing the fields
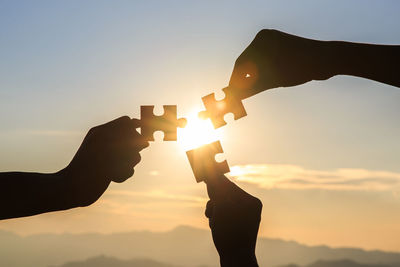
x=182 y=246
x=104 y=261
x=339 y=263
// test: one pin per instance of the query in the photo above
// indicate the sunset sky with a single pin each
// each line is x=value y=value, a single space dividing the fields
x=323 y=157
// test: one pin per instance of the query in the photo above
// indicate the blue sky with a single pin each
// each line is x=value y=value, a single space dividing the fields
x=67 y=66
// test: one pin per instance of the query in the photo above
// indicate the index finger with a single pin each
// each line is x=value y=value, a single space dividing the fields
x=244 y=77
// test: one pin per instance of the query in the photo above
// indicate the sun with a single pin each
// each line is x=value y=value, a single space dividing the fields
x=197 y=132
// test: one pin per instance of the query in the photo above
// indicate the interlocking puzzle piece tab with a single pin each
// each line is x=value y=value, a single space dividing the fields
x=216 y=110
x=168 y=122
x=202 y=161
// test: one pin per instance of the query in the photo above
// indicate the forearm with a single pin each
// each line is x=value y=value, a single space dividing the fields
x=26 y=194
x=375 y=62
x=239 y=261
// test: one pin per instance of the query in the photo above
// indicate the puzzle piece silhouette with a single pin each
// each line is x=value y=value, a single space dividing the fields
x=216 y=110
x=168 y=122
x=202 y=161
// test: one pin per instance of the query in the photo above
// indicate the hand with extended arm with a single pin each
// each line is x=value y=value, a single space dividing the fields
x=277 y=59
x=108 y=153
x=234 y=218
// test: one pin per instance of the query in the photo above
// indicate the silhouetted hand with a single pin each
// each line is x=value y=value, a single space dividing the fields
x=108 y=153
x=234 y=218
x=276 y=59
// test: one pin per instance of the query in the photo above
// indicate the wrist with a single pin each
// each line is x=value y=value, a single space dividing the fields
x=326 y=61
x=82 y=186
x=55 y=192
x=343 y=58
x=68 y=190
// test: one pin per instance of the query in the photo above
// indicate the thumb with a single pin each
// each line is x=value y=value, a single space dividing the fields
x=136 y=123
x=209 y=209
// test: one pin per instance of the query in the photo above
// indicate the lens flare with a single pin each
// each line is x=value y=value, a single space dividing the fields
x=197 y=132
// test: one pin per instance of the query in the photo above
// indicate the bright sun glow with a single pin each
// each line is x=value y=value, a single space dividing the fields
x=197 y=132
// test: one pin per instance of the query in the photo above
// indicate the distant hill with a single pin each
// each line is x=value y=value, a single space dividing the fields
x=343 y=263
x=339 y=263
x=183 y=246
x=104 y=261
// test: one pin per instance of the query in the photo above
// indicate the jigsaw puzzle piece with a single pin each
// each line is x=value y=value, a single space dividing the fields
x=216 y=110
x=168 y=122
x=202 y=161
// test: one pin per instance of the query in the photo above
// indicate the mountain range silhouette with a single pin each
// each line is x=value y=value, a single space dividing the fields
x=183 y=246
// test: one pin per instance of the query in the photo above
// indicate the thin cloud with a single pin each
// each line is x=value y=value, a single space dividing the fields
x=54 y=133
x=149 y=200
x=296 y=177
x=50 y=133
x=159 y=195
